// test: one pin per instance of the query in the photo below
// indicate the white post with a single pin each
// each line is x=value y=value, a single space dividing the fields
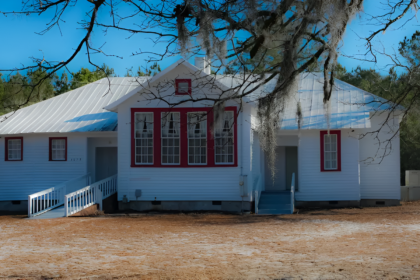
x=292 y=194
x=29 y=206
x=66 y=210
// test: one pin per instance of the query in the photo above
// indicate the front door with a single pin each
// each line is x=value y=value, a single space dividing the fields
x=291 y=166
x=278 y=183
x=106 y=163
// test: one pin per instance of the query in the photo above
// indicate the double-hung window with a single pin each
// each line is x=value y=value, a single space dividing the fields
x=224 y=138
x=143 y=136
x=58 y=148
x=183 y=137
x=331 y=150
x=14 y=149
x=197 y=138
x=170 y=137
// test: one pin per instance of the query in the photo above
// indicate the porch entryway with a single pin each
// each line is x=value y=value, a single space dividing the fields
x=286 y=164
x=106 y=162
x=278 y=197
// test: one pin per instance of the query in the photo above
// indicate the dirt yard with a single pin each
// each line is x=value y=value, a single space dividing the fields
x=370 y=243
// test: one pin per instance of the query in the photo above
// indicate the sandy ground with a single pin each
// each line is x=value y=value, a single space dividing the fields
x=369 y=243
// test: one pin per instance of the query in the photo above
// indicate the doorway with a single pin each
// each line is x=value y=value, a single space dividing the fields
x=106 y=162
x=285 y=165
x=278 y=183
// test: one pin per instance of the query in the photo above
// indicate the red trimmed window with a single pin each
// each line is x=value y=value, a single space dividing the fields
x=58 y=149
x=182 y=138
x=330 y=150
x=183 y=86
x=13 y=149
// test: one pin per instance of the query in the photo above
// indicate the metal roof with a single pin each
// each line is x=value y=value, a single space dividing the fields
x=81 y=110
x=349 y=106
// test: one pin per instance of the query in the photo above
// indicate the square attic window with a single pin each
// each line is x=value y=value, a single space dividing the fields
x=182 y=86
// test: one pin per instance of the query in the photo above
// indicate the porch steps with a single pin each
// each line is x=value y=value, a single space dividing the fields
x=275 y=203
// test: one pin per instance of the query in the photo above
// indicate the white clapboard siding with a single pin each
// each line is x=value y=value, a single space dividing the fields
x=35 y=173
x=182 y=184
x=315 y=185
x=380 y=176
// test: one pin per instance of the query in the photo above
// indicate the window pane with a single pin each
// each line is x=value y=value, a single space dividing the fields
x=330 y=151
x=14 y=149
x=197 y=138
x=58 y=149
x=327 y=163
x=224 y=129
x=144 y=138
x=170 y=135
x=334 y=143
x=183 y=87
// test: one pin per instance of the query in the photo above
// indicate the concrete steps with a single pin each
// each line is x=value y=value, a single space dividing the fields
x=275 y=203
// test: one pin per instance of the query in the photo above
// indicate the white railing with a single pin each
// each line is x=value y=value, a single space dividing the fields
x=94 y=194
x=292 y=194
x=45 y=200
x=82 y=199
x=108 y=186
x=257 y=191
x=51 y=198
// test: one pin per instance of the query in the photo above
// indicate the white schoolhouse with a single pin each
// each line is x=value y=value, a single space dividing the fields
x=118 y=135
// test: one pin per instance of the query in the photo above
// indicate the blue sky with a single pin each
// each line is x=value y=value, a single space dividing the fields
x=20 y=42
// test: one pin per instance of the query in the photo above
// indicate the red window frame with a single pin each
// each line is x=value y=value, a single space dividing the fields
x=6 y=148
x=50 y=148
x=338 y=133
x=157 y=162
x=177 y=81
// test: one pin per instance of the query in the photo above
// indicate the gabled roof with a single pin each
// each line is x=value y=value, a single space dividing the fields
x=79 y=110
x=194 y=70
x=87 y=108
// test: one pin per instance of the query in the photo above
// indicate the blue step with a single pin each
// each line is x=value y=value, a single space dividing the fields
x=273 y=212
x=275 y=203
x=274 y=206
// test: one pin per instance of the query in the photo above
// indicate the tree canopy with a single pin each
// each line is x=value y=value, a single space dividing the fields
x=279 y=40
